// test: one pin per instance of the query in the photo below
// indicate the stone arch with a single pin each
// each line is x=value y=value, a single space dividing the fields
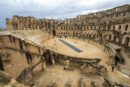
x=126 y=27
x=76 y=34
x=119 y=27
x=109 y=37
x=99 y=27
x=54 y=32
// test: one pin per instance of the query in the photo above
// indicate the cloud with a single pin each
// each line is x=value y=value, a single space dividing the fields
x=54 y=8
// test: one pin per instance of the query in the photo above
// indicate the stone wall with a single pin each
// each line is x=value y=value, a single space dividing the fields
x=18 y=55
x=113 y=24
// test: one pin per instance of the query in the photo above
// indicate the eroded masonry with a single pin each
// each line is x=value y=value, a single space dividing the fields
x=89 y=50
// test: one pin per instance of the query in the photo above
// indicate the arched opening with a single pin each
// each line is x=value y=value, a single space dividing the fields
x=100 y=38
x=54 y=32
x=127 y=41
x=117 y=60
x=114 y=39
x=94 y=35
x=99 y=27
x=126 y=27
x=109 y=38
x=47 y=56
x=113 y=27
x=118 y=57
x=1 y=64
x=119 y=27
x=77 y=34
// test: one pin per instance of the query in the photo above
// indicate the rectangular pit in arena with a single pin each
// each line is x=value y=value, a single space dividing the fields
x=71 y=46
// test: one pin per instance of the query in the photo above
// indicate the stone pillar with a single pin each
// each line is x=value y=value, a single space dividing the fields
x=8 y=24
x=67 y=63
x=44 y=65
x=15 y=22
x=52 y=58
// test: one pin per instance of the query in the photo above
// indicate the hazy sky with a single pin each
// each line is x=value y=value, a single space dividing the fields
x=53 y=8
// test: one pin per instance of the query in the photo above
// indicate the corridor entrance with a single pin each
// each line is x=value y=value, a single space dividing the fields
x=1 y=64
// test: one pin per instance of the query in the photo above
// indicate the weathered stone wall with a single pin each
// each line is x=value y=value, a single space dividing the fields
x=20 y=55
x=115 y=22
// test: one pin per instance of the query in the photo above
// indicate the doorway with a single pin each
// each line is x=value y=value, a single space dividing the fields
x=127 y=41
x=54 y=32
x=1 y=64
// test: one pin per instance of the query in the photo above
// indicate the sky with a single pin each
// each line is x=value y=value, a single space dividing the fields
x=58 y=9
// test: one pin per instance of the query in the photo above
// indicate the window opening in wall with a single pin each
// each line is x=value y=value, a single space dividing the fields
x=13 y=39
x=119 y=27
x=127 y=41
x=10 y=38
x=20 y=44
x=29 y=58
x=99 y=27
x=126 y=27
x=113 y=27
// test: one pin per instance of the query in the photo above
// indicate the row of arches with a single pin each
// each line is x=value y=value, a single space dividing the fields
x=107 y=27
x=100 y=37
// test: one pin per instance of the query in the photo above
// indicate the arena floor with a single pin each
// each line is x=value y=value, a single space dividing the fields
x=58 y=75
x=77 y=48
x=84 y=49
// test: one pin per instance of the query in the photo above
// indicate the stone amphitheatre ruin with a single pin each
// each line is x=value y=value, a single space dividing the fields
x=91 y=50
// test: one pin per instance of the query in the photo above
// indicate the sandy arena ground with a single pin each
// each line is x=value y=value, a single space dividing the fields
x=56 y=73
x=88 y=50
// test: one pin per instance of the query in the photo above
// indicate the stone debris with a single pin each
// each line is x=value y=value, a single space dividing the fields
x=4 y=78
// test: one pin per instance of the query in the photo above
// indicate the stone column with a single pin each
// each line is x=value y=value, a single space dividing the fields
x=44 y=66
x=52 y=58
x=8 y=24
x=67 y=63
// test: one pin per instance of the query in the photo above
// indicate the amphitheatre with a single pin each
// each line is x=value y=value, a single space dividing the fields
x=91 y=50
